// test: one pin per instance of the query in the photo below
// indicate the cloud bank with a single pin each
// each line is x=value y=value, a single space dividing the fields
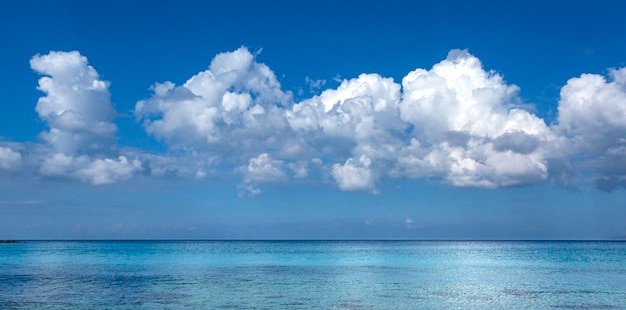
x=455 y=122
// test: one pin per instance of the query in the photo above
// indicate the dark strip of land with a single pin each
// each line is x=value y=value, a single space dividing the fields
x=8 y=241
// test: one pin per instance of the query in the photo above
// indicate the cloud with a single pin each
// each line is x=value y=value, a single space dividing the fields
x=314 y=85
x=77 y=104
x=592 y=124
x=609 y=184
x=22 y=202
x=105 y=171
x=10 y=160
x=516 y=142
x=300 y=169
x=455 y=122
x=468 y=127
x=592 y=111
x=234 y=108
x=354 y=175
x=261 y=169
x=80 y=143
x=94 y=171
x=355 y=126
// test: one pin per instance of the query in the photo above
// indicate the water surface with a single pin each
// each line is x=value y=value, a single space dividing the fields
x=312 y=274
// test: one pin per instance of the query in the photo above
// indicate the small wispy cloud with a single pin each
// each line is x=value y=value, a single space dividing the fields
x=22 y=202
x=314 y=85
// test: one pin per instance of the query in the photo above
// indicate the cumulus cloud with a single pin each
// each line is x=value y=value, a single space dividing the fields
x=104 y=171
x=455 y=122
x=262 y=169
x=233 y=108
x=94 y=171
x=355 y=126
x=77 y=104
x=354 y=174
x=80 y=142
x=592 y=112
x=468 y=126
x=10 y=160
x=592 y=122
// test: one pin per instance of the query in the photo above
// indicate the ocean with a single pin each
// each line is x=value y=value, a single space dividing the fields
x=313 y=275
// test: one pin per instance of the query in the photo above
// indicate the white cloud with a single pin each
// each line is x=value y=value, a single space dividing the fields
x=10 y=160
x=300 y=169
x=314 y=85
x=357 y=120
x=263 y=169
x=592 y=112
x=592 y=124
x=80 y=143
x=455 y=122
x=354 y=174
x=85 y=169
x=467 y=127
x=60 y=165
x=105 y=171
x=77 y=104
x=233 y=108
x=236 y=110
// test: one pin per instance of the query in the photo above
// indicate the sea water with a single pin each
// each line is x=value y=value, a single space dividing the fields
x=312 y=274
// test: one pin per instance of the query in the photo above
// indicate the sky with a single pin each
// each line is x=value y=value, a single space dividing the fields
x=312 y=120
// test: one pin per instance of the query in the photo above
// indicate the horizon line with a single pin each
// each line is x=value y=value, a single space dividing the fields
x=618 y=239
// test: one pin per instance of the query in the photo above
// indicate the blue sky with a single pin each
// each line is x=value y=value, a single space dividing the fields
x=326 y=119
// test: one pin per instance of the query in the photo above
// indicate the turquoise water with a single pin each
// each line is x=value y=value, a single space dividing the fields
x=312 y=274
